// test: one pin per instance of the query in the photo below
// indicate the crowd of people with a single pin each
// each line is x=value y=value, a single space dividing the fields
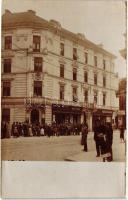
x=27 y=130
x=103 y=134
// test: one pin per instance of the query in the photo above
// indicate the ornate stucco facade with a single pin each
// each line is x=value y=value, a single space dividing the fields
x=83 y=89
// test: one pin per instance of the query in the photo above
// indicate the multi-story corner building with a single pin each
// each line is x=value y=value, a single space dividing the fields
x=51 y=74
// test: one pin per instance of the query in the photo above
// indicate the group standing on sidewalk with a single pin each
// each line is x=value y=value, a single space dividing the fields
x=103 y=137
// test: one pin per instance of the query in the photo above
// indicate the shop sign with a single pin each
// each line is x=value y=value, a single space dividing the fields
x=63 y=108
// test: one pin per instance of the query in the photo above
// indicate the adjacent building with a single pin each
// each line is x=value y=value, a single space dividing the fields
x=51 y=74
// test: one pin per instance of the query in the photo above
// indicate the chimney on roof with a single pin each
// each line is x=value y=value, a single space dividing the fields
x=7 y=11
x=32 y=12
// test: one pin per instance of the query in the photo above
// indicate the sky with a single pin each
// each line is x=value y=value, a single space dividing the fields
x=102 y=21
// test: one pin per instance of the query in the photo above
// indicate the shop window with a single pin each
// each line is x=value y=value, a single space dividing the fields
x=104 y=64
x=36 y=43
x=74 y=53
x=104 y=81
x=37 y=88
x=61 y=92
x=62 y=71
x=6 y=88
x=104 y=99
x=5 y=114
x=75 y=98
x=85 y=77
x=74 y=74
x=95 y=79
x=86 y=96
x=62 y=49
x=38 y=64
x=8 y=42
x=86 y=58
x=95 y=61
x=7 y=66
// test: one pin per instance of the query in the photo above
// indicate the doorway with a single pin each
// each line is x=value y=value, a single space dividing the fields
x=35 y=116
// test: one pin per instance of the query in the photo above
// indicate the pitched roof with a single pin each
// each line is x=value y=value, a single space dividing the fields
x=30 y=19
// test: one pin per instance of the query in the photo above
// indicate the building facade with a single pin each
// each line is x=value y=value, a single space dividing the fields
x=51 y=74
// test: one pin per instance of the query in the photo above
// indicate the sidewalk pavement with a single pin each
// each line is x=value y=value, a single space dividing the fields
x=90 y=156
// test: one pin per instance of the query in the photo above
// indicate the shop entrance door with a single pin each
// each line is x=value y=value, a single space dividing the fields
x=35 y=116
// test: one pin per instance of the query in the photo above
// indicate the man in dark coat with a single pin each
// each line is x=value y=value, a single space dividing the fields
x=84 y=136
x=99 y=132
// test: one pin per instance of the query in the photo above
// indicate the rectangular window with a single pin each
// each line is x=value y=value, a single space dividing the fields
x=36 y=43
x=95 y=97
x=7 y=66
x=86 y=58
x=104 y=64
x=95 y=61
x=37 y=88
x=62 y=49
x=5 y=114
x=95 y=79
x=62 y=71
x=104 y=81
x=74 y=53
x=38 y=64
x=8 y=42
x=75 y=98
x=61 y=92
x=86 y=96
x=104 y=99
x=85 y=77
x=6 y=88
x=74 y=74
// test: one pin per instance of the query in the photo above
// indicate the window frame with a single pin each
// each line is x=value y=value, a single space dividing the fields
x=36 y=42
x=62 y=90
x=7 y=63
x=62 y=49
x=8 y=42
x=85 y=77
x=95 y=61
x=74 y=74
x=6 y=89
x=74 y=94
x=37 y=89
x=61 y=70
x=38 y=61
x=75 y=53
x=95 y=79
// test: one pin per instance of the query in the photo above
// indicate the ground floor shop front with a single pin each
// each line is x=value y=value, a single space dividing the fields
x=54 y=113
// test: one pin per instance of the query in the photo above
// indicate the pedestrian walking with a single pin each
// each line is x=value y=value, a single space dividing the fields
x=84 y=136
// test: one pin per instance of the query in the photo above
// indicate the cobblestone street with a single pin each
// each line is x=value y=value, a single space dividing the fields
x=57 y=148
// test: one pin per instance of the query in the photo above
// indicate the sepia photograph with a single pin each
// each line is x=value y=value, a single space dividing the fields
x=63 y=99
x=63 y=77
